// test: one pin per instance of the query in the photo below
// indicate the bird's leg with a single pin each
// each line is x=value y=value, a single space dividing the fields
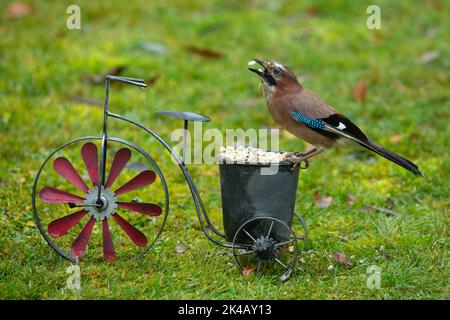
x=309 y=154
x=298 y=157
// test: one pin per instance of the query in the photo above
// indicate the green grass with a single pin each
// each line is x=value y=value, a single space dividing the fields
x=42 y=63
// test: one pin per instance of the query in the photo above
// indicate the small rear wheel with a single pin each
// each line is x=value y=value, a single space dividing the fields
x=302 y=235
x=265 y=245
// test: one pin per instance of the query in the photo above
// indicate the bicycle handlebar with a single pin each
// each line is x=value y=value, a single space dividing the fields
x=132 y=81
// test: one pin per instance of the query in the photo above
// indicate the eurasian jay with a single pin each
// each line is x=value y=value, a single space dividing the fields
x=307 y=116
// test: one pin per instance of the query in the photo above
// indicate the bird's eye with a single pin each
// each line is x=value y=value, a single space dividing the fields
x=277 y=71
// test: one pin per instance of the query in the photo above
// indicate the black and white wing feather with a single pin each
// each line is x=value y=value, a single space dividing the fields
x=343 y=127
x=335 y=123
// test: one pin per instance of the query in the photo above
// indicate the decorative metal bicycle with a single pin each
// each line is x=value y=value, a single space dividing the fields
x=66 y=208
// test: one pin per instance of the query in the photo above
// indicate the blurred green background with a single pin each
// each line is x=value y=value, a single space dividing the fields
x=392 y=82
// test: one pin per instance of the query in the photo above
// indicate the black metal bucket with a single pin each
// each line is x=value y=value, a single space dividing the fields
x=247 y=193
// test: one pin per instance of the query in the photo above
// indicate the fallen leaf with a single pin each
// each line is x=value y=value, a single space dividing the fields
x=151 y=81
x=431 y=32
x=303 y=33
x=30 y=223
x=377 y=36
x=181 y=248
x=399 y=85
x=61 y=34
x=396 y=138
x=17 y=10
x=286 y=275
x=223 y=252
x=351 y=199
x=322 y=202
x=205 y=53
x=383 y=210
x=100 y=78
x=153 y=47
x=414 y=136
x=84 y=100
x=312 y=11
x=359 y=93
x=389 y=203
x=116 y=70
x=211 y=28
x=247 y=271
x=341 y=258
x=429 y=56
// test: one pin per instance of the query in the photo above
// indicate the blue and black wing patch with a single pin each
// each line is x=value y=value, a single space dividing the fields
x=335 y=123
x=309 y=122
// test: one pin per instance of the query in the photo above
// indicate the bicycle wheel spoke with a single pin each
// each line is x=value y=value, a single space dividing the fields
x=245 y=247
x=244 y=253
x=258 y=267
x=249 y=235
x=270 y=229
x=281 y=263
x=284 y=243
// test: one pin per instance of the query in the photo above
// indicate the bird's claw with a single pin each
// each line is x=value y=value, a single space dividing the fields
x=297 y=158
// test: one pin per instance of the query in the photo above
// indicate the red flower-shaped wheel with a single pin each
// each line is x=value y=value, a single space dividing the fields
x=102 y=209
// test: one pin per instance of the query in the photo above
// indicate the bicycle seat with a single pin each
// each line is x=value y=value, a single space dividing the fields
x=185 y=115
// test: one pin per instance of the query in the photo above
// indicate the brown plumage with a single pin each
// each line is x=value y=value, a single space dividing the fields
x=307 y=116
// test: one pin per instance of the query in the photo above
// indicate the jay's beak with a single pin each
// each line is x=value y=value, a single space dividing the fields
x=264 y=74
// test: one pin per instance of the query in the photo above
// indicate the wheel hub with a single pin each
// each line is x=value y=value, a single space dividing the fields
x=264 y=248
x=106 y=205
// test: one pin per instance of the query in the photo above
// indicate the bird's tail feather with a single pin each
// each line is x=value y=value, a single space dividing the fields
x=403 y=162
